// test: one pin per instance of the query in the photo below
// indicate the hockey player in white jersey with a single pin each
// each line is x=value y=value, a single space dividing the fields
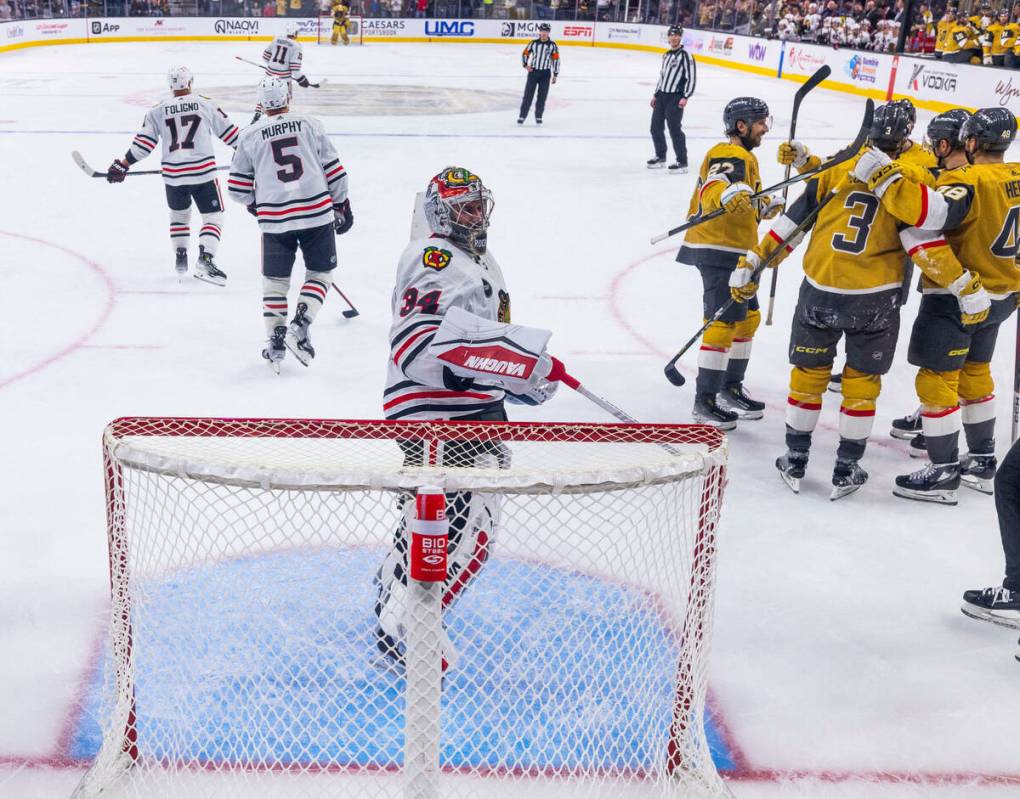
x=186 y=123
x=288 y=174
x=449 y=293
x=282 y=58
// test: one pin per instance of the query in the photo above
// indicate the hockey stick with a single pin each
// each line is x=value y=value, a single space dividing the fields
x=92 y=173
x=672 y=373
x=843 y=155
x=1016 y=382
x=821 y=74
x=349 y=314
x=260 y=66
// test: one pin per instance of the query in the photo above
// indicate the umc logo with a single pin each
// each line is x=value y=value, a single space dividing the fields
x=103 y=27
x=445 y=27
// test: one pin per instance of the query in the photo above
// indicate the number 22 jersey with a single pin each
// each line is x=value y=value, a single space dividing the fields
x=185 y=124
x=287 y=166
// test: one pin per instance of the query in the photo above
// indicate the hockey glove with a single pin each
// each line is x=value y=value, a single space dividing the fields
x=793 y=153
x=742 y=286
x=250 y=208
x=303 y=82
x=343 y=217
x=542 y=391
x=736 y=198
x=770 y=206
x=117 y=171
x=974 y=300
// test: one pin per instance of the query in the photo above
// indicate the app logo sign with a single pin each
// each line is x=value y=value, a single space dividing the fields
x=446 y=27
x=99 y=28
x=863 y=68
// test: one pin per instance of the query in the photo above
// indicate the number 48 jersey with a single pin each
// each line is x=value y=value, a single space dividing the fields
x=286 y=165
x=185 y=124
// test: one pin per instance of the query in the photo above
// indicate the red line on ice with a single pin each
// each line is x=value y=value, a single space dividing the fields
x=111 y=299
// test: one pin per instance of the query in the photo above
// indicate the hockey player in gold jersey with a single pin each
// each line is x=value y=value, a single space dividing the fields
x=728 y=178
x=853 y=269
x=341 y=20
x=965 y=237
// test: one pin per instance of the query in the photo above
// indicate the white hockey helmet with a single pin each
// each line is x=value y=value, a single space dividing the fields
x=458 y=206
x=292 y=30
x=273 y=94
x=179 y=78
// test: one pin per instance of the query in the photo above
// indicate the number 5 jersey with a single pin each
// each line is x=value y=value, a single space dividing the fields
x=286 y=165
x=185 y=124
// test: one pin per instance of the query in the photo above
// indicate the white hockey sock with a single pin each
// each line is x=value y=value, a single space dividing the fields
x=180 y=228
x=313 y=292
x=212 y=228
x=274 y=302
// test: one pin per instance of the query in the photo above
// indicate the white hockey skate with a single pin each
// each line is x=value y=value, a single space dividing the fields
x=275 y=350
x=297 y=339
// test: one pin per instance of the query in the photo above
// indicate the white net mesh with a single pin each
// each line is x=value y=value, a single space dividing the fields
x=261 y=612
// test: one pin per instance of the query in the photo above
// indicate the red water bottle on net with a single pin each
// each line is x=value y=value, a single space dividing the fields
x=430 y=533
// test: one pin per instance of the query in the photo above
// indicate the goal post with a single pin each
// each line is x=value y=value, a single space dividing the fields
x=324 y=29
x=416 y=610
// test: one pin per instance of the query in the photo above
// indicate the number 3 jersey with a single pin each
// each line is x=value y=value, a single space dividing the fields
x=185 y=124
x=288 y=167
x=433 y=276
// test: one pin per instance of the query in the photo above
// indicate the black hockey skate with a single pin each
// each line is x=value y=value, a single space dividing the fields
x=677 y=168
x=181 y=262
x=707 y=411
x=735 y=399
x=907 y=427
x=298 y=340
x=791 y=468
x=918 y=446
x=978 y=472
x=996 y=604
x=847 y=477
x=207 y=271
x=275 y=349
x=538 y=120
x=655 y=163
x=520 y=120
x=936 y=482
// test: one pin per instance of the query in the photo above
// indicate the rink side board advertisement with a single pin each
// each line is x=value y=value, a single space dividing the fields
x=932 y=84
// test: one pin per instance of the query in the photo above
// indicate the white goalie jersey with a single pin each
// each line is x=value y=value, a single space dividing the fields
x=186 y=125
x=433 y=276
x=288 y=167
x=282 y=58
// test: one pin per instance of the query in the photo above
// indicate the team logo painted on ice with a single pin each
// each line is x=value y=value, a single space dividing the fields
x=436 y=258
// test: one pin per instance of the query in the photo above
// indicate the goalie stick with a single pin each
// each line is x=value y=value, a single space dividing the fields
x=821 y=74
x=842 y=156
x=260 y=66
x=92 y=173
x=672 y=373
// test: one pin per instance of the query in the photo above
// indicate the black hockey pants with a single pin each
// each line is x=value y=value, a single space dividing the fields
x=537 y=78
x=1007 y=503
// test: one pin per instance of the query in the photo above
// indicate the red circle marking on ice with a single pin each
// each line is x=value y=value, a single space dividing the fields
x=111 y=293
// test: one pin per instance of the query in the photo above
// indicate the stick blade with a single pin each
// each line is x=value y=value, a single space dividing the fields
x=84 y=167
x=350 y=314
x=820 y=74
x=673 y=374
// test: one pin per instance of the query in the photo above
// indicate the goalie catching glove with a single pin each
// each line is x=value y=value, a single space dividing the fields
x=512 y=357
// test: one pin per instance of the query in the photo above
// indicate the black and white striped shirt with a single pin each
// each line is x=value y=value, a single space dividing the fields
x=679 y=73
x=542 y=55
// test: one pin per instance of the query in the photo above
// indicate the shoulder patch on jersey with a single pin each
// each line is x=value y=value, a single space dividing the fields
x=436 y=258
x=733 y=168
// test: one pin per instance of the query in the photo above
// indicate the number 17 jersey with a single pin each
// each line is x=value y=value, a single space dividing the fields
x=185 y=124
x=286 y=165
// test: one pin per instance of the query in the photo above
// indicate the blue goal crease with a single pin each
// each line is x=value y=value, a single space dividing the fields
x=586 y=676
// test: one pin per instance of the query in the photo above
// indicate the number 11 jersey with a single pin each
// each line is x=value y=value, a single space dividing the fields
x=185 y=124
x=286 y=165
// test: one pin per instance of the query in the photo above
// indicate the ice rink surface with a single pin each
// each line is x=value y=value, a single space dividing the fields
x=842 y=666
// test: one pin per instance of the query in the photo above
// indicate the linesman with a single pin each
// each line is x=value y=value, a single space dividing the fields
x=677 y=79
x=542 y=60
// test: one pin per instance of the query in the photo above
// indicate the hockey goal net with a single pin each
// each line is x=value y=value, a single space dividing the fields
x=325 y=30
x=249 y=559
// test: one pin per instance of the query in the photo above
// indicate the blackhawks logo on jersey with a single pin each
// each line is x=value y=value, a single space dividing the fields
x=435 y=258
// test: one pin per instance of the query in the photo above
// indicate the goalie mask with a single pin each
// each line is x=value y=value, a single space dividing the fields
x=458 y=206
x=179 y=78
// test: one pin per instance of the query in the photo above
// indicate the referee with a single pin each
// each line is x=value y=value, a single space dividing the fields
x=677 y=79
x=542 y=60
